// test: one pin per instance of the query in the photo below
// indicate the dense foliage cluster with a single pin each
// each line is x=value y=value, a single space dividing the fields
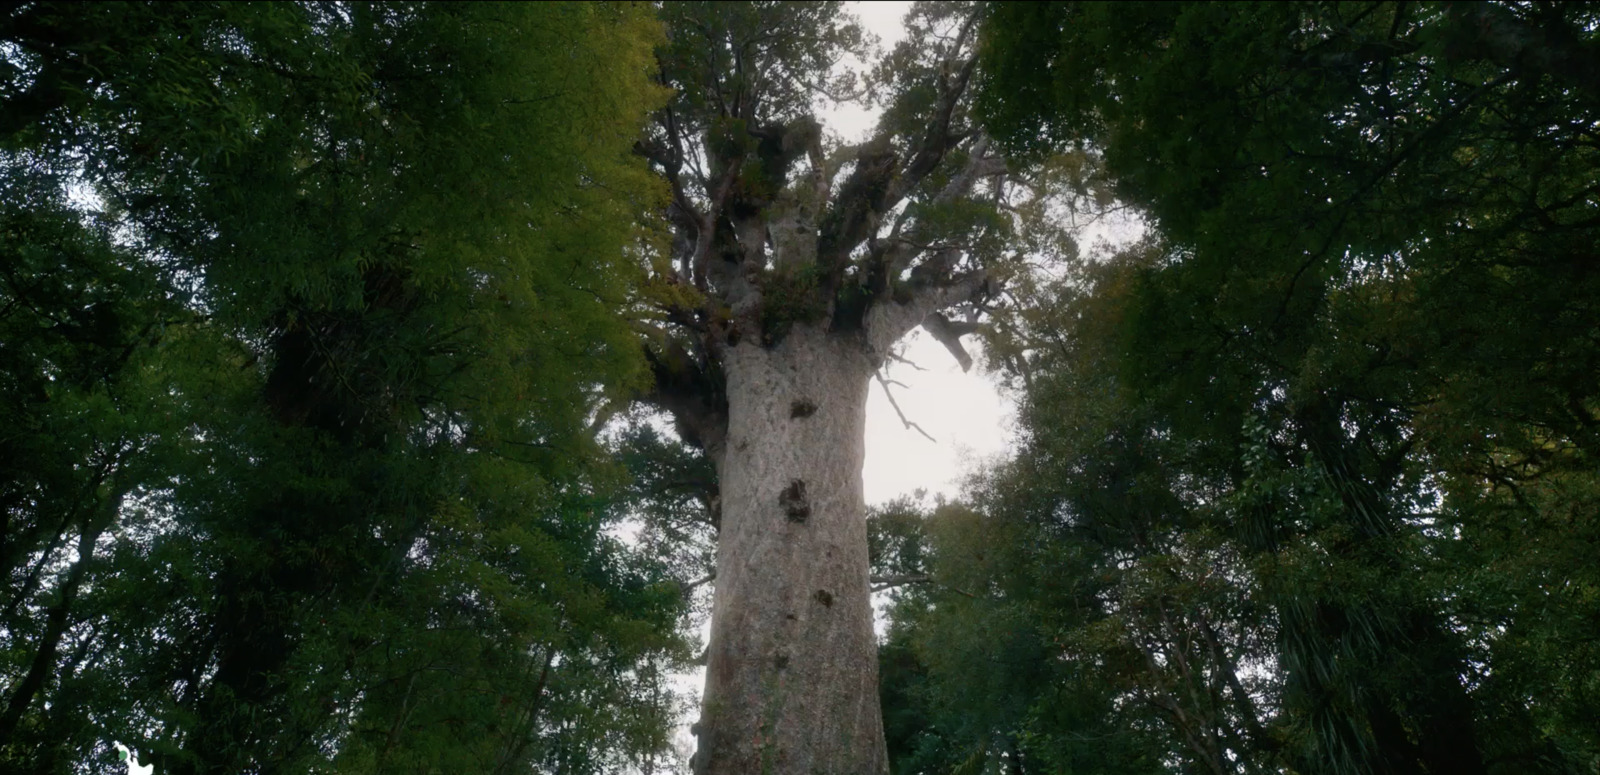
x=1307 y=480
x=304 y=312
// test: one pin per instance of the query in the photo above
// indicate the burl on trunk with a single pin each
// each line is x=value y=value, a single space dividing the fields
x=796 y=265
x=792 y=672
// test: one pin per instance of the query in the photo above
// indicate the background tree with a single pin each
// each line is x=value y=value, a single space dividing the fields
x=307 y=310
x=1079 y=614
x=1359 y=339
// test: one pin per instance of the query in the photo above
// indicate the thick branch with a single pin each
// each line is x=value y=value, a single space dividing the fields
x=938 y=139
x=879 y=182
x=854 y=216
x=949 y=333
x=706 y=229
x=903 y=250
x=889 y=320
x=979 y=165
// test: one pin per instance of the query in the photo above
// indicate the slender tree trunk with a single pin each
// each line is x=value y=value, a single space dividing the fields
x=57 y=621
x=791 y=679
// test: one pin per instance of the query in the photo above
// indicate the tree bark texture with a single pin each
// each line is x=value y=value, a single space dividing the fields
x=794 y=270
x=791 y=678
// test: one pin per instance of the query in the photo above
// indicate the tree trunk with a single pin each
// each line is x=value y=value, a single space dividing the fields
x=59 y=619
x=792 y=672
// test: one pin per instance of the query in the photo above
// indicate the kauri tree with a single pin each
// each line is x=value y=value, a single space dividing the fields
x=797 y=262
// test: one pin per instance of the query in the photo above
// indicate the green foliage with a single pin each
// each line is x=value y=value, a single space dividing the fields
x=306 y=312
x=87 y=423
x=673 y=494
x=791 y=297
x=755 y=62
x=1304 y=469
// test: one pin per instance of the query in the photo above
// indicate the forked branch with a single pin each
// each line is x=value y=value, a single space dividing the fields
x=908 y=423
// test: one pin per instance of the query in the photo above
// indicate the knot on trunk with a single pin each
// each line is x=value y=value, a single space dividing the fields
x=803 y=407
x=794 y=502
x=824 y=597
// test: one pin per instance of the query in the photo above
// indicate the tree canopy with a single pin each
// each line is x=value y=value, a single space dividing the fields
x=331 y=333
x=1304 y=474
x=307 y=309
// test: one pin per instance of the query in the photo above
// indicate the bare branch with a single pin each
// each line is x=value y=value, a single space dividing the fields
x=899 y=580
x=686 y=589
x=898 y=358
x=909 y=424
x=902 y=579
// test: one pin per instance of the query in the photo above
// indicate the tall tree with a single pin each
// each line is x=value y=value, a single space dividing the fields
x=796 y=265
x=306 y=310
x=1372 y=316
x=1080 y=611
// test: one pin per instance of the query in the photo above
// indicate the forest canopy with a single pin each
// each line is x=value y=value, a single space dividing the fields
x=399 y=387
x=306 y=309
x=1307 y=478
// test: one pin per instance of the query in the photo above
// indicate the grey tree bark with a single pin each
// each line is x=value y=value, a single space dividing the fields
x=792 y=679
x=792 y=669
x=794 y=270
